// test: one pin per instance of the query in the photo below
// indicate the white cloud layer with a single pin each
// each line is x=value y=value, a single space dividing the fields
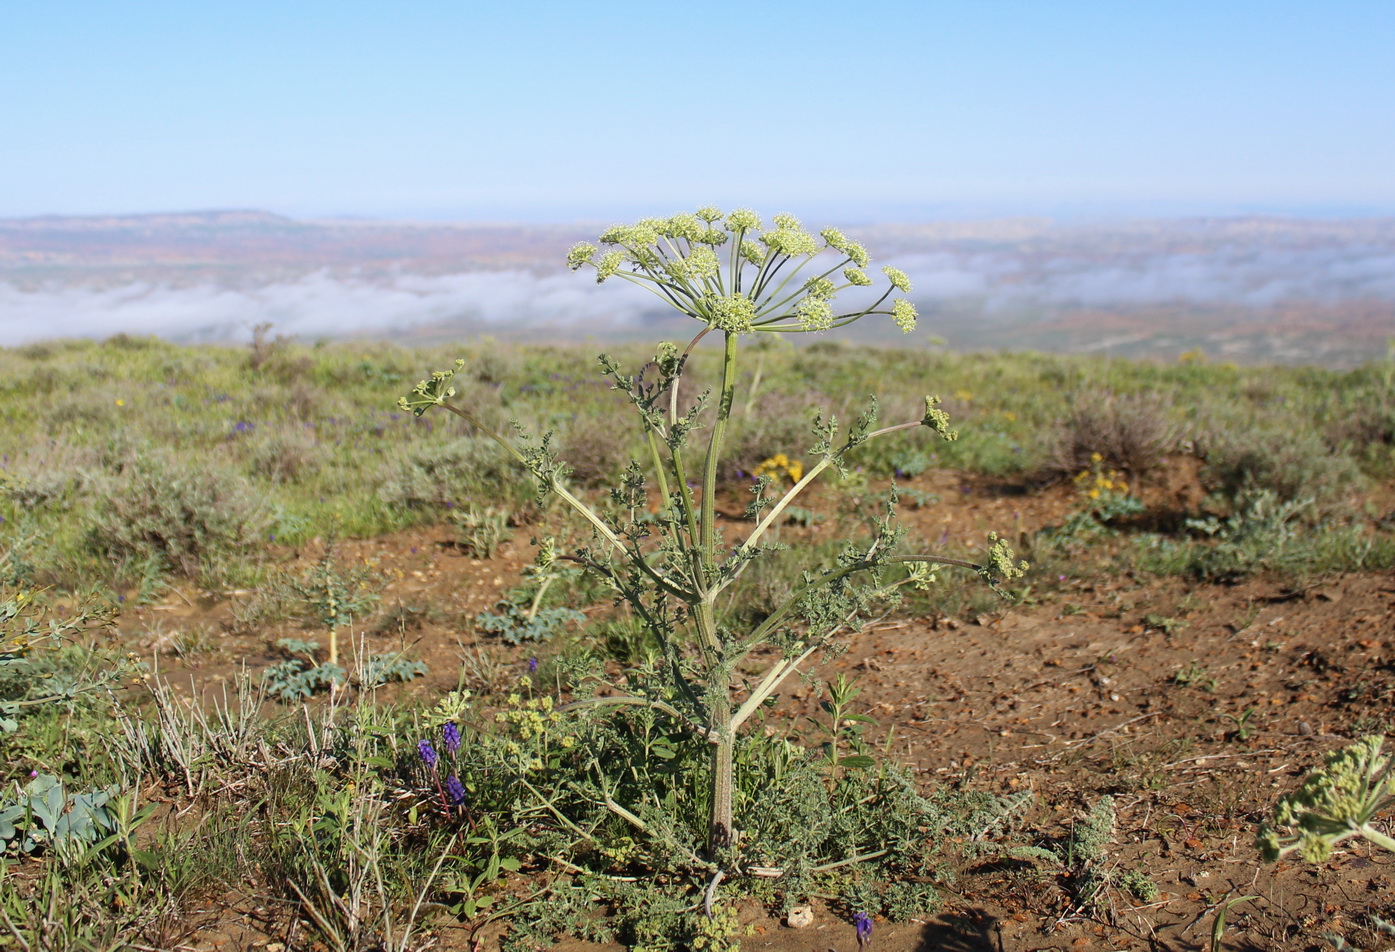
x=324 y=304
x=319 y=304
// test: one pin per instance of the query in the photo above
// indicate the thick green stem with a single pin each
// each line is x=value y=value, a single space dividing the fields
x=714 y=450
x=1378 y=838
x=690 y=517
x=721 y=833
x=705 y=620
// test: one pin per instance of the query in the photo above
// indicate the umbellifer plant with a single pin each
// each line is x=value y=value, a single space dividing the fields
x=736 y=278
x=1340 y=800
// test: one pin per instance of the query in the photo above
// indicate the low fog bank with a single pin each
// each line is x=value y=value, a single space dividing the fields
x=1019 y=280
x=1239 y=276
x=320 y=305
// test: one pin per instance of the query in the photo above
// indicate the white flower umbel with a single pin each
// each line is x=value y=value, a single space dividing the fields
x=734 y=275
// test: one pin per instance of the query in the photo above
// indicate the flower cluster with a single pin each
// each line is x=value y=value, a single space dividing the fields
x=732 y=273
x=862 y=923
x=781 y=466
x=1340 y=800
x=453 y=793
x=1001 y=565
x=533 y=728
x=1096 y=483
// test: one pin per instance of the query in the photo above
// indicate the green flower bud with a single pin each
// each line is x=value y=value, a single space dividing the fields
x=547 y=553
x=684 y=226
x=835 y=239
x=857 y=276
x=732 y=313
x=580 y=254
x=1337 y=801
x=431 y=393
x=666 y=356
x=608 y=264
x=1000 y=561
x=752 y=252
x=743 y=219
x=903 y=313
x=644 y=233
x=794 y=242
x=614 y=234
x=814 y=314
x=821 y=288
x=713 y=237
x=703 y=264
x=709 y=213
x=786 y=220
x=898 y=279
x=857 y=253
x=937 y=419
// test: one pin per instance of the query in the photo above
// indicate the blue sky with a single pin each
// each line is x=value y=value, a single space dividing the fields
x=558 y=111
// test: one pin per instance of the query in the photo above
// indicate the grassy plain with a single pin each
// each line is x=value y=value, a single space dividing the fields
x=1211 y=548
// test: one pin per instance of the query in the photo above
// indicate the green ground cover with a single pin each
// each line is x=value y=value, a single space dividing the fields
x=133 y=464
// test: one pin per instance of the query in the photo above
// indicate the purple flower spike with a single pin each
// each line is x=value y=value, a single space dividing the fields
x=450 y=737
x=532 y=665
x=863 y=923
x=428 y=753
x=455 y=790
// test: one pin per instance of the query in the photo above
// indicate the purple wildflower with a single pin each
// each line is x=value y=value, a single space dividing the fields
x=863 y=923
x=450 y=737
x=428 y=753
x=532 y=665
x=455 y=790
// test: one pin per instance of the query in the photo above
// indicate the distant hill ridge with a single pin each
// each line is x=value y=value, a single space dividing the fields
x=213 y=217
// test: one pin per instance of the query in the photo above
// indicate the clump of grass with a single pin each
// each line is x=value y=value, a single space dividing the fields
x=1265 y=534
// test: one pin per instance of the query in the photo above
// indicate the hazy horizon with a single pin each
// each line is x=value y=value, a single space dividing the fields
x=1252 y=288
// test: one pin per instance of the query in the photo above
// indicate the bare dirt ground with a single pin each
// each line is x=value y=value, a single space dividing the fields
x=1193 y=706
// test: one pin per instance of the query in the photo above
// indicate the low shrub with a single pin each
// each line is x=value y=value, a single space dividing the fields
x=453 y=474
x=1130 y=433
x=196 y=521
x=1291 y=465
